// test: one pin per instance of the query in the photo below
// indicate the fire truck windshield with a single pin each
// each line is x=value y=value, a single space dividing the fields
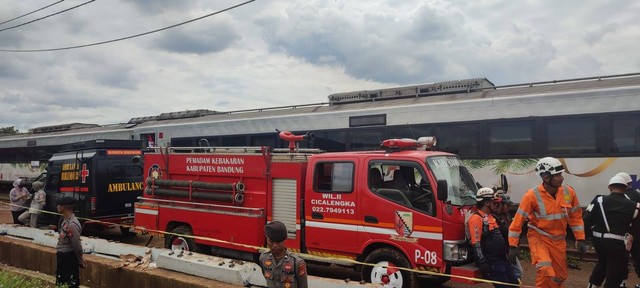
x=461 y=185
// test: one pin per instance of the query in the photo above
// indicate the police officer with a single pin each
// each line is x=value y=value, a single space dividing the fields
x=69 y=249
x=609 y=219
x=486 y=240
x=280 y=268
x=633 y=195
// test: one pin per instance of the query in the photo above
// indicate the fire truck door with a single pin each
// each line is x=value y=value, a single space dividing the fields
x=400 y=205
x=331 y=210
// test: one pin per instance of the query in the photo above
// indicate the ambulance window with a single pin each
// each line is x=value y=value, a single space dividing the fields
x=334 y=177
x=123 y=172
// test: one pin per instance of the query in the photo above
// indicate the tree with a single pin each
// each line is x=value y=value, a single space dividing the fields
x=11 y=130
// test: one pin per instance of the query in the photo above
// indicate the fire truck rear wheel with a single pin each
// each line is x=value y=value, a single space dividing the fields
x=388 y=277
x=176 y=242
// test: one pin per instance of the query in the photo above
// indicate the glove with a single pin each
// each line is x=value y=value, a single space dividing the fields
x=581 y=245
x=513 y=254
x=485 y=268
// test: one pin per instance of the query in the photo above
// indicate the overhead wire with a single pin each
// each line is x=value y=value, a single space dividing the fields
x=45 y=17
x=34 y=11
x=132 y=36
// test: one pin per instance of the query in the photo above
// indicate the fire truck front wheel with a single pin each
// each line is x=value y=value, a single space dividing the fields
x=385 y=272
x=177 y=240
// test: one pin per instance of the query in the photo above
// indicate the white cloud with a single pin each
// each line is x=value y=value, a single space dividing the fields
x=281 y=52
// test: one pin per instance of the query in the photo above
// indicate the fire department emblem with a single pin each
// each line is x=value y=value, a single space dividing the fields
x=155 y=172
x=404 y=223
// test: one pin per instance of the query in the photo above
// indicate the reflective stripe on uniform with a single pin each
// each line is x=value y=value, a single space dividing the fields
x=543 y=263
x=543 y=210
x=577 y=228
x=557 y=280
x=514 y=234
x=557 y=216
x=521 y=212
x=574 y=209
x=543 y=233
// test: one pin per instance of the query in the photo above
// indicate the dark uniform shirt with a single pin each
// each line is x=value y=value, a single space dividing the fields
x=288 y=272
x=619 y=210
x=633 y=195
x=69 y=236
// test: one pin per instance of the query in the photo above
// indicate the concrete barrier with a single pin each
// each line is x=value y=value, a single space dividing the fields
x=34 y=249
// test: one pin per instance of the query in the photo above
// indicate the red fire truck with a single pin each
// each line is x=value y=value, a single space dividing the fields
x=402 y=206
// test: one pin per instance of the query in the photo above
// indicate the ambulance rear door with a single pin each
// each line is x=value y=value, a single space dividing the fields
x=117 y=182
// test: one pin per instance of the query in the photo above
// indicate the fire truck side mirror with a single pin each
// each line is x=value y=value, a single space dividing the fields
x=503 y=183
x=443 y=190
x=135 y=160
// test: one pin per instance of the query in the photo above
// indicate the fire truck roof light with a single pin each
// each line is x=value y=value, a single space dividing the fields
x=400 y=144
x=427 y=142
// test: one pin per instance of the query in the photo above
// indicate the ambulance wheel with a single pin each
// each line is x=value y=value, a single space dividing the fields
x=177 y=242
x=384 y=271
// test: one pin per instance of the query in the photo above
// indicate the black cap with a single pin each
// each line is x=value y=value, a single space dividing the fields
x=66 y=201
x=276 y=231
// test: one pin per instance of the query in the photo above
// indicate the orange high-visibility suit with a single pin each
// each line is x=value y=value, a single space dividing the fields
x=548 y=218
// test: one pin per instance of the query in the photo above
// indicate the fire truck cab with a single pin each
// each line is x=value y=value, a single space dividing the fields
x=398 y=207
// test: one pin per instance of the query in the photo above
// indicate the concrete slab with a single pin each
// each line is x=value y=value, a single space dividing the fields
x=115 y=249
x=47 y=238
x=234 y=271
x=211 y=267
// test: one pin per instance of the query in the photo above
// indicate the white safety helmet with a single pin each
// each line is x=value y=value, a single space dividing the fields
x=485 y=193
x=625 y=176
x=549 y=166
x=617 y=180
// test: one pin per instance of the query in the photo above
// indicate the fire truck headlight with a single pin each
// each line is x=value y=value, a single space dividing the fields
x=455 y=251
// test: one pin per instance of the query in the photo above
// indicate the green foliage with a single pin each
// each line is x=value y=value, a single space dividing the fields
x=513 y=165
x=8 y=279
x=475 y=164
x=11 y=130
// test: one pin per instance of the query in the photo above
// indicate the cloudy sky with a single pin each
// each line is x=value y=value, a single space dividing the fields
x=284 y=52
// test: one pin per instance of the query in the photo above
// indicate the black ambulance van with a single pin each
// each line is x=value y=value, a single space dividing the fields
x=101 y=176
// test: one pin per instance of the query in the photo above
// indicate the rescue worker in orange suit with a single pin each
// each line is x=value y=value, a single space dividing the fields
x=633 y=195
x=549 y=207
x=608 y=219
x=486 y=240
x=280 y=268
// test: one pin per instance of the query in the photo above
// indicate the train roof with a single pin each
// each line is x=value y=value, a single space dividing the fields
x=486 y=91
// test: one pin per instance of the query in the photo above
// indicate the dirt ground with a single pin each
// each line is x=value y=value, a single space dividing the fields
x=577 y=278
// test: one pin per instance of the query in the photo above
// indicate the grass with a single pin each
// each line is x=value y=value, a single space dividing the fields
x=12 y=280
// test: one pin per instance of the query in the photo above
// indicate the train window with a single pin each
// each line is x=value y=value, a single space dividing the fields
x=264 y=140
x=234 y=141
x=626 y=133
x=366 y=139
x=334 y=177
x=182 y=142
x=409 y=131
x=461 y=139
x=332 y=141
x=571 y=135
x=367 y=120
x=510 y=138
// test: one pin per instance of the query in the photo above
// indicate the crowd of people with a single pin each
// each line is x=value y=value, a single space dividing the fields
x=610 y=221
x=69 y=257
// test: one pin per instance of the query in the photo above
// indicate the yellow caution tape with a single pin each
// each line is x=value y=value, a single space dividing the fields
x=307 y=256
